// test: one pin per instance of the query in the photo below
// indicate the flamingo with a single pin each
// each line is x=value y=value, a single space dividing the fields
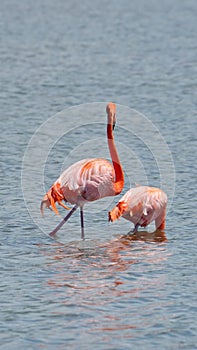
x=87 y=180
x=142 y=205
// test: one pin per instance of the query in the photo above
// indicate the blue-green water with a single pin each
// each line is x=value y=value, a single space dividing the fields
x=108 y=292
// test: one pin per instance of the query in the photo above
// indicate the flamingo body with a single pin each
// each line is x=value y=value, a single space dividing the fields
x=87 y=180
x=142 y=205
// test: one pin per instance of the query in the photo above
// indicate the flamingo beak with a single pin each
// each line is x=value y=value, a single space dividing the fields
x=114 y=118
x=111 y=111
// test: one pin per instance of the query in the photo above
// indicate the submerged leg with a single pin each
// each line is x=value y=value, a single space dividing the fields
x=52 y=233
x=82 y=223
x=136 y=228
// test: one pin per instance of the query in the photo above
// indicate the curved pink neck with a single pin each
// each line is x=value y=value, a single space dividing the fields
x=119 y=175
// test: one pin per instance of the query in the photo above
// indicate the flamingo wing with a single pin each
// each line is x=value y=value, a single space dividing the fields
x=144 y=204
x=87 y=180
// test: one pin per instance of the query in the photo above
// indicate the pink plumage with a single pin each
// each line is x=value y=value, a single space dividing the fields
x=87 y=180
x=142 y=205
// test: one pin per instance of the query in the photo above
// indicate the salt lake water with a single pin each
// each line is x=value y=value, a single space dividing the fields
x=61 y=63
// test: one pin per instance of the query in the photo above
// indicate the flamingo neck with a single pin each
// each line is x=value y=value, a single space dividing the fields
x=119 y=175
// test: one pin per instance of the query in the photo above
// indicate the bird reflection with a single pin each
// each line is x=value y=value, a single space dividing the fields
x=121 y=269
x=158 y=236
x=116 y=247
x=117 y=254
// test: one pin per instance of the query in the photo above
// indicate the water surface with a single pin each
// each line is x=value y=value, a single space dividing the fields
x=111 y=292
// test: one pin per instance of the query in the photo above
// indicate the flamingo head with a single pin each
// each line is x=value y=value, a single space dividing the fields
x=117 y=211
x=111 y=112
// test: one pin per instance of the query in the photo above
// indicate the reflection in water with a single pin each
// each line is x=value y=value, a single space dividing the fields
x=106 y=259
x=124 y=243
x=90 y=281
x=156 y=236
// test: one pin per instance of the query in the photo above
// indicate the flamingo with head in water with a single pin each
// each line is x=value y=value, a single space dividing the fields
x=87 y=180
x=142 y=205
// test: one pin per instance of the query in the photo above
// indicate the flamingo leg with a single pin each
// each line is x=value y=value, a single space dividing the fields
x=135 y=228
x=82 y=223
x=52 y=233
